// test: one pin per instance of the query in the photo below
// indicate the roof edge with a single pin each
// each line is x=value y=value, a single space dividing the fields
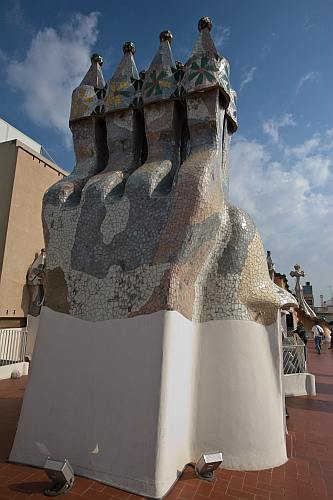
x=48 y=162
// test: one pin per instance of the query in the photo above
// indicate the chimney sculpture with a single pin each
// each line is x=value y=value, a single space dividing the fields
x=160 y=337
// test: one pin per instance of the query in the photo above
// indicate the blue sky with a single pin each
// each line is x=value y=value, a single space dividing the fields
x=281 y=66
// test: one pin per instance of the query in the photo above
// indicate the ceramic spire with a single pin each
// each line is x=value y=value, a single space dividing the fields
x=122 y=87
x=205 y=67
x=94 y=76
x=87 y=98
x=160 y=82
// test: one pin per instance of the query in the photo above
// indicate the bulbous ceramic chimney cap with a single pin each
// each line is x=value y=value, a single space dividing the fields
x=97 y=58
x=166 y=36
x=205 y=22
x=129 y=47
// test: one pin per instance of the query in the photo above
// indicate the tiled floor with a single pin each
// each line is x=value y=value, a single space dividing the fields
x=307 y=475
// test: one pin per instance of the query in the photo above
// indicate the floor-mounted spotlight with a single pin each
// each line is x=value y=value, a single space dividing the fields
x=62 y=476
x=207 y=463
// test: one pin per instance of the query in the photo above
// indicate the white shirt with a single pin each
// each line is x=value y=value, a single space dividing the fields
x=317 y=331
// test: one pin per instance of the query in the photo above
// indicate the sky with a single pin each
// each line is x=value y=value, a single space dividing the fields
x=280 y=54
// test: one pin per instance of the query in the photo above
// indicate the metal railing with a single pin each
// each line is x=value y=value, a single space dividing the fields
x=294 y=354
x=13 y=343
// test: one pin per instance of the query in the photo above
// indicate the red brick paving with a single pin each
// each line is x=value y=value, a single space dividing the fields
x=308 y=475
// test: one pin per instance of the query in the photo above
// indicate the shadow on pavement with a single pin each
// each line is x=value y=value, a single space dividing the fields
x=310 y=404
x=33 y=487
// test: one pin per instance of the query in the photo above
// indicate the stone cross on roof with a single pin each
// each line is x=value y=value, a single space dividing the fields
x=298 y=274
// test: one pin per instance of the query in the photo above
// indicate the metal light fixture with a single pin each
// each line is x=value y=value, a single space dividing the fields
x=207 y=463
x=61 y=474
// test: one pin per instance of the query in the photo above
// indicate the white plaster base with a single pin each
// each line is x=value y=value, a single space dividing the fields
x=131 y=402
x=299 y=384
x=32 y=328
x=7 y=370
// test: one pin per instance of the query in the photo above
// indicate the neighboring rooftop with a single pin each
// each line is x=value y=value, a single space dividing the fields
x=39 y=156
x=8 y=133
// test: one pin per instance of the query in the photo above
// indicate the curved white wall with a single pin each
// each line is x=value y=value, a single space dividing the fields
x=130 y=402
x=240 y=395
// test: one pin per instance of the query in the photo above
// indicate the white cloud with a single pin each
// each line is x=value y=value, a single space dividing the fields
x=3 y=56
x=247 y=77
x=308 y=146
x=14 y=14
x=265 y=50
x=313 y=76
x=308 y=23
x=221 y=35
x=53 y=66
x=292 y=203
x=272 y=127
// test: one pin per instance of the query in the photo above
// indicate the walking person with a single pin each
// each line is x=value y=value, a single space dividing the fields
x=318 y=334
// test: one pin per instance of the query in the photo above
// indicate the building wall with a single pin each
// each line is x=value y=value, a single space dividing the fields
x=24 y=237
x=308 y=293
x=7 y=171
x=325 y=312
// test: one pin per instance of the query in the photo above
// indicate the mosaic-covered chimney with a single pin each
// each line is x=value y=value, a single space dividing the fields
x=98 y=110
x=157 y=288
x=144 y=217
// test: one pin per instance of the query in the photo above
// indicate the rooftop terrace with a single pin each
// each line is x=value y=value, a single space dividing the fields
x=307 y=475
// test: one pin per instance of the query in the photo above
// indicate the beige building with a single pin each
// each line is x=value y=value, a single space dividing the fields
x=326 y=309
x=308 y=294
x=24 y=177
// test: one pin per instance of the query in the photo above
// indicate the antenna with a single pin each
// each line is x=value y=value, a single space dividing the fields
x=48 y=154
